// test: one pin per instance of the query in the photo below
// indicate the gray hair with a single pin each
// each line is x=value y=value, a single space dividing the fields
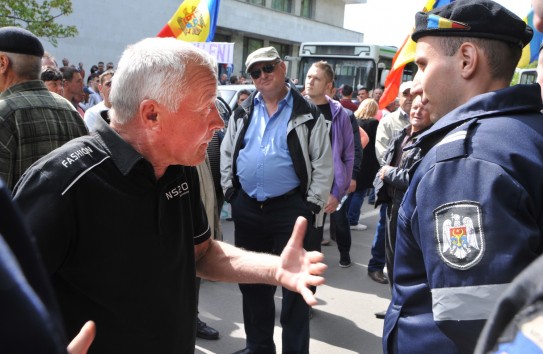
x=160 y=69
x=25 y=66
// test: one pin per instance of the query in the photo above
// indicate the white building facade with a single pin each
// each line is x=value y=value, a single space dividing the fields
x=106 y=27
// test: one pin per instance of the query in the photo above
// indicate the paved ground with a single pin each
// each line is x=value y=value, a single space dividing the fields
x=343 y=321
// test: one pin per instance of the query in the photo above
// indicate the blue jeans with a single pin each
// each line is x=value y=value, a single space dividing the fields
x=377 y=261
x=354 y=203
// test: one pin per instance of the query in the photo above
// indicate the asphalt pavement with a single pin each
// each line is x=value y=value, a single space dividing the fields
x=343 y=321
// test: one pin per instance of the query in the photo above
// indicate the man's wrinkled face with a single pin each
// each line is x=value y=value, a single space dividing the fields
x=187 y=132
x=406 y=100
x=419 y=116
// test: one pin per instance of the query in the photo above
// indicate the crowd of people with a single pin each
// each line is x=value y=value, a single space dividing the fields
x=134 y=163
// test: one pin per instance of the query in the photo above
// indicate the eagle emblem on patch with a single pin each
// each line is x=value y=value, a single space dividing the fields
x=459 y=234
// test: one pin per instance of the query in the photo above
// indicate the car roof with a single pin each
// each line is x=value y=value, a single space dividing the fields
x=230 y=93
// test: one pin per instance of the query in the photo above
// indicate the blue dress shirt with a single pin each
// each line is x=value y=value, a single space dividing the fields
x=265 y=167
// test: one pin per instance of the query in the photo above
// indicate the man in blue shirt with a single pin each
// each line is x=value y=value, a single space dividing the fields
x=276 y=165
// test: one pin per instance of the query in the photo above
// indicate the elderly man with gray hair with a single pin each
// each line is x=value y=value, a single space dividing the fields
x=118 y=217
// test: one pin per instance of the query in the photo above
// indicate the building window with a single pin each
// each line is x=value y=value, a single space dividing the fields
x=219 y=37
x=308 y=8
x=282 y=5
x=249 y=46
x=257 y=2
x=282 y=49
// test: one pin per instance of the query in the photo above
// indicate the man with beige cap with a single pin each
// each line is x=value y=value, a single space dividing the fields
x=276 y=165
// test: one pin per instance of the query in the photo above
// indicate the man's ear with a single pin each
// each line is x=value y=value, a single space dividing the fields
x=148 y=112
x=4 y=63
x=329 y=88
x=470 y=57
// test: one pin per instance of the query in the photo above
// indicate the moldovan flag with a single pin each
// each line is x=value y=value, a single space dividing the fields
x=404 y=55
x=531 y=51
x=194 y=21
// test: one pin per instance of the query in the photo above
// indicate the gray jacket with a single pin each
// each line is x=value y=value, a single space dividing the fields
x=309 y=145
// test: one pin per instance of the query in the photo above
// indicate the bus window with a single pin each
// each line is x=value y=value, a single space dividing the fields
x=351 y=72
x=527 y=76
x=354 y=64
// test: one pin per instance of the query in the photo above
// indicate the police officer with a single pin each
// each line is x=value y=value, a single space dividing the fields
x=471 y=218
x=515 y=324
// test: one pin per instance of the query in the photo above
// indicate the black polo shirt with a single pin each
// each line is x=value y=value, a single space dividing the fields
x=118 y=244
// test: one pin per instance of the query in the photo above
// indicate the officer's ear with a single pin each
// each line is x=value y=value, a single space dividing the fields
x=470 y=58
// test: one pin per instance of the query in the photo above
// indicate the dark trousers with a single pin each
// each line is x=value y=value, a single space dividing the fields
x=339 y=226
x=377 y=261
x=266 y=227
x=390 y=242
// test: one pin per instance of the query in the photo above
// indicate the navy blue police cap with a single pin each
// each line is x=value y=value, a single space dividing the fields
x=473 y=18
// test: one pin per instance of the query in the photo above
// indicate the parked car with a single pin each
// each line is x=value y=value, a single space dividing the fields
x=229 y=93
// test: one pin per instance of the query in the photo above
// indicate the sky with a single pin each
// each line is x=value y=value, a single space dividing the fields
x=388 y=22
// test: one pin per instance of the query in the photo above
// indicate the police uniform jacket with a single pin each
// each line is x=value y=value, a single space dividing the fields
x=30 y=321
x=470 y=221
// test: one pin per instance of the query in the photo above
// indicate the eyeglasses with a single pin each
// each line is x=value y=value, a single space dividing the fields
x=268 y=69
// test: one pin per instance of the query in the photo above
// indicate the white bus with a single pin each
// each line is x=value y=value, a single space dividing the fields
x=527 y=76
x=355 y=64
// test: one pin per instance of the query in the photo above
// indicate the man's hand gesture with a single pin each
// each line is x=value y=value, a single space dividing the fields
x=298 y=268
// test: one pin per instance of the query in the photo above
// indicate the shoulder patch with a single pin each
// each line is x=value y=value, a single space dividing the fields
x=459 y=234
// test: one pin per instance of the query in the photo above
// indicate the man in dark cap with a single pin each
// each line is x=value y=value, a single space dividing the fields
x=471 y=219
x=33 y=121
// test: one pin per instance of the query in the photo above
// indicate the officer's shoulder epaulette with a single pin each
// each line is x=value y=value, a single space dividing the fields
x=454 y=144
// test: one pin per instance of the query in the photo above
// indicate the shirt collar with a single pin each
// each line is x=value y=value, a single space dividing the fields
x=24 y=86
x=122 y=153
x=287 y=99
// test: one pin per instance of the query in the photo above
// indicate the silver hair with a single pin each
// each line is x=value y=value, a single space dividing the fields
x=25 y=66
x=159 y=69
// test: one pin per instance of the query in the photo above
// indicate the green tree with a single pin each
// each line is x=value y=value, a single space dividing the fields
x=38 y=17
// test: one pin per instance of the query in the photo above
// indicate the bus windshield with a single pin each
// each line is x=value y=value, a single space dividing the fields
x=353 y=72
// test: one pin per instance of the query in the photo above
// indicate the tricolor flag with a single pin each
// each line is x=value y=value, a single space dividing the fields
x=531 y=51
x=435 y=21
x=194 y=21
x=405 y=54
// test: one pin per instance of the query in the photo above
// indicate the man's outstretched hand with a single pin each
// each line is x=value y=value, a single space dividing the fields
x=298 y=268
